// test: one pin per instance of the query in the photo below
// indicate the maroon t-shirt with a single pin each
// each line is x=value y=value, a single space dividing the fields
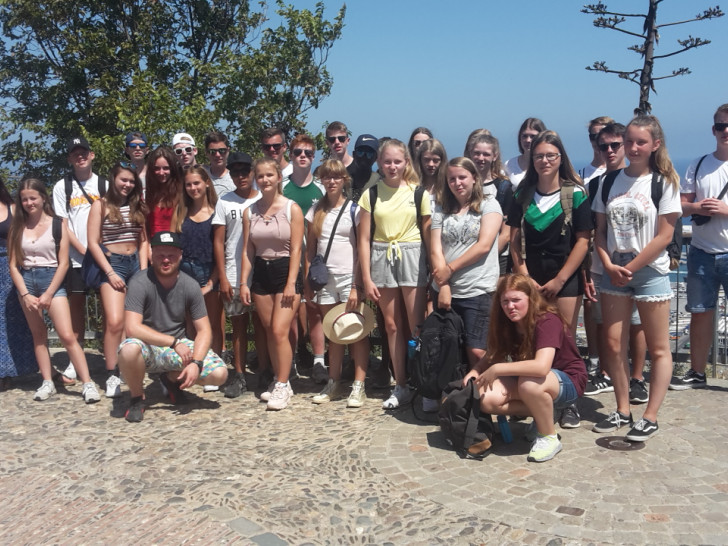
x=550 y=332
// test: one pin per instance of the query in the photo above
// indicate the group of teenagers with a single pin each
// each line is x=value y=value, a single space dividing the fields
x=505 y=246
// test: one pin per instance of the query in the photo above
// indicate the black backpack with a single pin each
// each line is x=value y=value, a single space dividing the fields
x=439 y=356
x=466 y=429
x=674 y=249
x=68 y=181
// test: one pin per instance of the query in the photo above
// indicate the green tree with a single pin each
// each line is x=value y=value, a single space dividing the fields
x=649 y=37
x=105 y=68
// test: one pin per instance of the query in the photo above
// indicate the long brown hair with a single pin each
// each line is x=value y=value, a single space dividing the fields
x=329 y=168
x=113 y=201
x=449 y=202
x=20 y=218
x=157 y=192
x=504 y=340
x=180 y=213
x=659 y=159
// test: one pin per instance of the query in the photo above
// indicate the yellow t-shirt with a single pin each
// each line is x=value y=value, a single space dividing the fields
x=394 y=213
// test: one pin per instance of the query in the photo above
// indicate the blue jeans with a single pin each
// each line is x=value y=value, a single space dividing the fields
x=200 y=271
x=706 y=273
x=124 y=265
x=567 y=391
x=38 y=279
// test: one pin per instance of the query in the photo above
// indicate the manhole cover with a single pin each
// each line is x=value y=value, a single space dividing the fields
x=618 y=443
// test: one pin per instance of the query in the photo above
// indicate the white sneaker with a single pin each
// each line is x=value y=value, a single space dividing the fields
x=210 y=388
x=113 y=387
x=70 y=371
x=90 y=393
x=357 y=396
x=280 y=396
x=45 y=391
x=399 y=397
x=265 y=395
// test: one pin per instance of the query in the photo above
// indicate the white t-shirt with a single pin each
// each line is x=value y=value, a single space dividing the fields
x=229 y=213
x=341 y=255
x=79 y=210
x=632 y=217
x=223 y=184
x=590 y=171
x=712 y=177
x=514 y=172
x=287 y=171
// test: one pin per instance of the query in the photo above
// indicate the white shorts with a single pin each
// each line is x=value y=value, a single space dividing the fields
x=336 y=290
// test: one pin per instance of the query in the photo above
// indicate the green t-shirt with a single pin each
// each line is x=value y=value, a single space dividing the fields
x=306 y=196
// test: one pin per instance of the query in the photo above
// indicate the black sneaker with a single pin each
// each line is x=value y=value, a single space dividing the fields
x=135 y=413
x=691 y=380
x=598 y=383
x=236 y=386
x=643 y=430
x=637 y=391
x=570 y=417
x=175 y=394
x=615 y=421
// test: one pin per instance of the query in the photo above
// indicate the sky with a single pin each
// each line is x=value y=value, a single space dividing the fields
x=461 y=65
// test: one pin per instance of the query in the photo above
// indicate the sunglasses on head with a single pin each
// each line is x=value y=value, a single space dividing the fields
x=185 y=150
x=217 y=151
x=340 y=138
x=298 y=151
x=275 y=147
x=136 y=145
x=720 y=127
x=127 y=165
x=614 y=146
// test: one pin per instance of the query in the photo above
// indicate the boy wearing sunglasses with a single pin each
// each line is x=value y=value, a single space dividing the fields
x=273 y=145
x=184 y=149
x=217 y=148
x=337 y=139
x=704 y=197
x=136 y=149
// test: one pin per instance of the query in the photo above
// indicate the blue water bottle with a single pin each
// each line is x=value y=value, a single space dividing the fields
x=412 y=348
x=505 y=429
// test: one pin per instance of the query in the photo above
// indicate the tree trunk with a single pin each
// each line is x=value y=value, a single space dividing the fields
x=646 y=83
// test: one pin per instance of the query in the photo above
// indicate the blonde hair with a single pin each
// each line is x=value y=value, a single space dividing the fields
x=409 y=175
x=335 y=169
x=275 y=165
x=659 y=159
x=449 y=202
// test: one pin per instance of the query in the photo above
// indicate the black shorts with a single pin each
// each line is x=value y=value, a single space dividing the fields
x=74 y=282
x=546 y=268
x=270 y=276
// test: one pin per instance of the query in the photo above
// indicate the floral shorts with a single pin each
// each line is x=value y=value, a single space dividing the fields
x=166 y=359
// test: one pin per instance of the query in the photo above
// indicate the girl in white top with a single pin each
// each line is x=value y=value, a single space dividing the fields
x=631 y=237
x=38 y=266
x=117 y=221
x=344 y=276
x=516 y=166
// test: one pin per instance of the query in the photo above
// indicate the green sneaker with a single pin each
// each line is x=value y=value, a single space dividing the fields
x=544 y=448
x=332 y=391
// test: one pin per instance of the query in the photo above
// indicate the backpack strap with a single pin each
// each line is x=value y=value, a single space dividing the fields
x=525 y=198
x=566 y=197
x=419 y=192
x=333 y=230
x=102 y=186
x=609 y=179
x=656 y=190
x=68 y=187
x=57 y=232
x=352 y=212
x=472 y=426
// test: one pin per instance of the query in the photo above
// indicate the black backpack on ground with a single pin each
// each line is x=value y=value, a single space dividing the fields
x=466 y=429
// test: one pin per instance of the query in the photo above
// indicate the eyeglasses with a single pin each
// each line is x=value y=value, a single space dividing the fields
x=340 y=138
x=136 y=145
x=593 y=136
x=299 y=151
x=185 y=150
x=331 y=178
x=275 y=147
x=720 y=127
x=546 y=157
x=217 y=151
x=127 y=165
x=368 y=154
x=240 y=171
x=614 y=146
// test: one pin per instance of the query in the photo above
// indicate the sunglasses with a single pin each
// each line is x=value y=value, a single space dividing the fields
x=217 y=151
x=369 y=154
x=720 y=127
x=240 y=171
x=275 y=147
x=185 y=150
x=127 y=165
x=298 y=151
x=614 y=146
x=340 y=138
x=136 y=145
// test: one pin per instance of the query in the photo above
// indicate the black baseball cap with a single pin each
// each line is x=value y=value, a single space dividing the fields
x=166 y=238
x=239 y=157
x=77 y=142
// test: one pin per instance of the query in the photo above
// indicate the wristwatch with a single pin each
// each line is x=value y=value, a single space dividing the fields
x=199 y=364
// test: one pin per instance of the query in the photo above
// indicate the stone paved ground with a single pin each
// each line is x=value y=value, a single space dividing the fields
x=221 y=471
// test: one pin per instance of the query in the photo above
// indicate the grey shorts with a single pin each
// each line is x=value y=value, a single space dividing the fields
x=398 y=264
x=336 y=290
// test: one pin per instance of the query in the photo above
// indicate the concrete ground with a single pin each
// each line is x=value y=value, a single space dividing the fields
x=221 y=471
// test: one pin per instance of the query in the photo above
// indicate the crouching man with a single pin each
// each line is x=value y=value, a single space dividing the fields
x=157 y=301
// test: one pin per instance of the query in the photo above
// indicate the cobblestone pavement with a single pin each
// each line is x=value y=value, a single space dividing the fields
x=221 y=471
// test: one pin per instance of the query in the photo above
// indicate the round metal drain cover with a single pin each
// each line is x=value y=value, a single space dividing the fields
x=618 y=443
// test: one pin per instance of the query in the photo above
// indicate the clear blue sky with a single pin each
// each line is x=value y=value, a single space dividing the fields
x=460 y=65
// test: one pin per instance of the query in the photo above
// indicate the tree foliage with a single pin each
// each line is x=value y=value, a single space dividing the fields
x=649 y=36
x=157 y=66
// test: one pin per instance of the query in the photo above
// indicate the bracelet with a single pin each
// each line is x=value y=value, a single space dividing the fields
x=110 y=273
x=25 y=294
x=174 y=343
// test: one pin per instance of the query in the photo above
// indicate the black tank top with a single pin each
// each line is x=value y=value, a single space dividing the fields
x=5 y=228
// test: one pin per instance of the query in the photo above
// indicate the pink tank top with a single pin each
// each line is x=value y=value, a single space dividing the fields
x=40 y=252
x=272 y=236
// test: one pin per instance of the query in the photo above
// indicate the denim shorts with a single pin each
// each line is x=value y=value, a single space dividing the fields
x=38 y=279
x=706 y=273
x=475 y=312
x=200 y=271
x=124 y=265
x=596 y=306
x=647 y=284
x=567 y=391
x=166 y=359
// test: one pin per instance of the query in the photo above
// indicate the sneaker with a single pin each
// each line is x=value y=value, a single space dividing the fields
x=570 y=417
x=45 y=391
x=280 y=396
x=430 y=405
x=135 y=413
x=643 y=430
x=210 y=388
x=90 y=393
x=598 y=383
x=113 y=386
x=399 y=397
x=637 y=391
x=614 y=422
x=175 y=394
x=691 y=380
x=236 y=386
x=320 y=373
x=265 y=395
x=544 y=448
x=70 y=371
x=332 y=391
x=357 y=396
